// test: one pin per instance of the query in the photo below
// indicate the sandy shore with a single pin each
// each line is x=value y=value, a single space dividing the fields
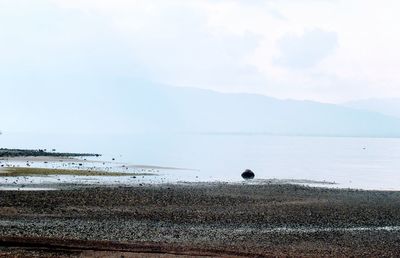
x=200 y=219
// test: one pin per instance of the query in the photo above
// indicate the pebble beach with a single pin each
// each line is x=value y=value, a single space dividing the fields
x=213 y=219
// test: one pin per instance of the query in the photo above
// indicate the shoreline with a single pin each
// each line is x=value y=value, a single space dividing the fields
x=165 y=174
x=4 y=153
x=242 y=220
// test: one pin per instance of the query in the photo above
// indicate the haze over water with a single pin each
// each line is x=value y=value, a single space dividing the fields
x=366 y=163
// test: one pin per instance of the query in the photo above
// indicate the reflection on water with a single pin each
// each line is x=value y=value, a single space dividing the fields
x=369 y=163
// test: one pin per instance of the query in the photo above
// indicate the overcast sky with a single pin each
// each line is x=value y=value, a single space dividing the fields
x=323 y=50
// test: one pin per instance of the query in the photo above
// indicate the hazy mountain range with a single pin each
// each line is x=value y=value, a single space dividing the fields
x=390 y=107
x=144 y=107
x=207 y=111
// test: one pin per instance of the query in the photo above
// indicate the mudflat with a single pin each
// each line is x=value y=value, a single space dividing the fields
x=215 y=219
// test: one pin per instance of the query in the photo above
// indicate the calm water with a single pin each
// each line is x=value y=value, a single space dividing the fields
x=368 y=163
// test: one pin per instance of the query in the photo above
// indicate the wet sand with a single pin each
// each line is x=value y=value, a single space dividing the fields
x=200 y=219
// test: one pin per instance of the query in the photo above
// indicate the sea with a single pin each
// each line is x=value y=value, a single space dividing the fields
x=342 y=162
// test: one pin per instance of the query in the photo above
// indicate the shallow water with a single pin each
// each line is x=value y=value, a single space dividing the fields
x=367 y=163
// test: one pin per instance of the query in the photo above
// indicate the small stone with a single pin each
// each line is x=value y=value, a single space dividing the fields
x=248 y=174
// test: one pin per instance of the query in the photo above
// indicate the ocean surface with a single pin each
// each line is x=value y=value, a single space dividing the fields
x=362 y=163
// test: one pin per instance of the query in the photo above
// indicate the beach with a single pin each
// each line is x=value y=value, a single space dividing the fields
x=207 y=128
x=214 y=219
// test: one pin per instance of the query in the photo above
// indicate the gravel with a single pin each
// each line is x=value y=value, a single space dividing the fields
x=224 y=219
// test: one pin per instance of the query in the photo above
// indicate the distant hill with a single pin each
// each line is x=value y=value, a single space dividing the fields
x=204 y=111
x=207 y=111
x=390 y=107
x=125 y=106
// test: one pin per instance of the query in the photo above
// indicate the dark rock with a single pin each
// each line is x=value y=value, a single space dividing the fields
x=248 y=174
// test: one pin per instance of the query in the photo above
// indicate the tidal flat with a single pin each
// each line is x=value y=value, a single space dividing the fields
x=28 y=171
x=209 y=219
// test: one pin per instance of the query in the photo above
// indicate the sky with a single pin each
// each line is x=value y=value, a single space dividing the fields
x=330 y=51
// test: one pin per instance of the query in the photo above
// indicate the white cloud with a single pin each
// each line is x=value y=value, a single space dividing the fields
x=175 y=42
x=346 y=49
x=307 y=50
